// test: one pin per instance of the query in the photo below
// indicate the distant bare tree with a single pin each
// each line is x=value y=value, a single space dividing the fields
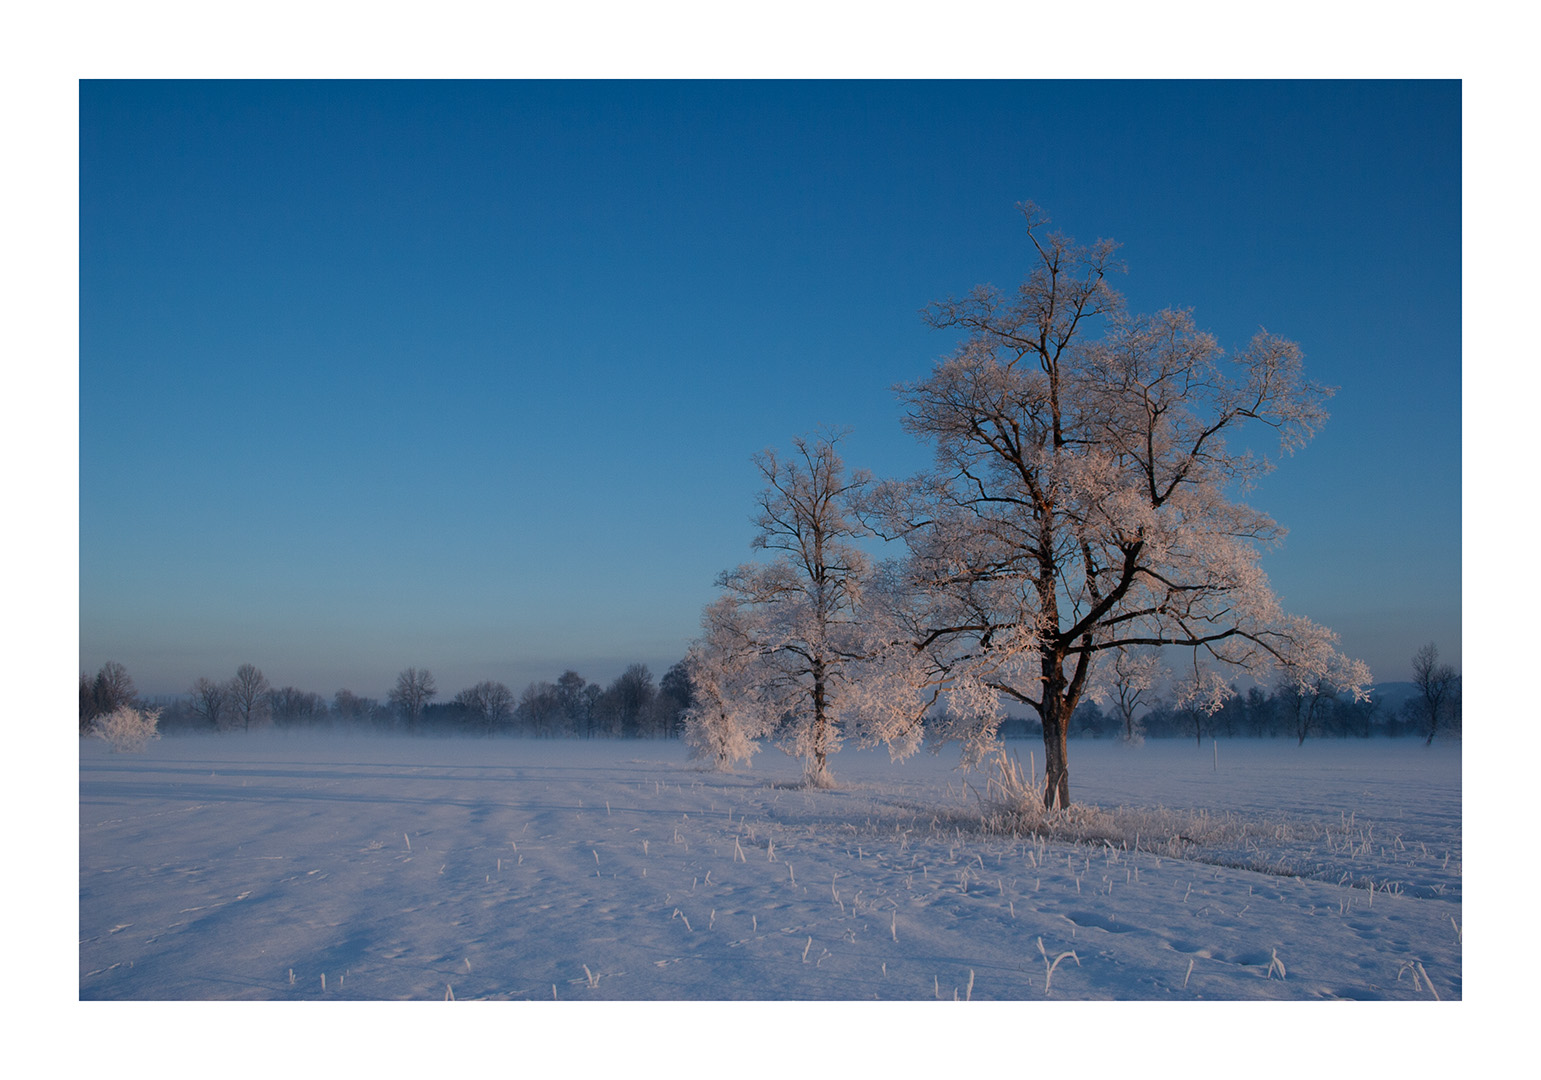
x=624 y=704
x=674 y=697
x=110 y=691
x=1257 y=711
x=1437 y=688
x=210 y=701
x=114 y=688
x=540 y=709
x=249 y=691
x=1305 y=703
x=577 y=697
x=349 y=706
x=293 y=706
x=1454 y=710
x=414 y=688
x=87 y=704
x=491 y=702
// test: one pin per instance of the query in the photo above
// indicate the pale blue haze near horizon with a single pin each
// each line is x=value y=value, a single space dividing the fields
x=468 y=376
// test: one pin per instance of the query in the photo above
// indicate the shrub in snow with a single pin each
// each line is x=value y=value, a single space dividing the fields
x=127 y=729
x=1014 y=803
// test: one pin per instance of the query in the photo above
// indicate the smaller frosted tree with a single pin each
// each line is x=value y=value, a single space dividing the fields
x=809 y=641
x=1200 y=693
x=1133 y=677
x=799 y=612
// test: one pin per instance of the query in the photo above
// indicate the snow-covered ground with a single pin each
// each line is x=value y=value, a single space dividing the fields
x=310 y=868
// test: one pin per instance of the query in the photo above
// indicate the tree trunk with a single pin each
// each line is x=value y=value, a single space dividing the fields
x=818 y=773
x=1058 y=703
x=1056 y=755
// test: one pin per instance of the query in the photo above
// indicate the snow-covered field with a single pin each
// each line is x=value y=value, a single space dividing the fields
x=312 y=868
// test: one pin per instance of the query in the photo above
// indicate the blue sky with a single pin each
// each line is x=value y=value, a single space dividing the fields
x=468 y=375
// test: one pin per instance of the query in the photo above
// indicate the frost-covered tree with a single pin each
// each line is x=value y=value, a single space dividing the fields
x=413 y=690
x=817 y=657
x=1133 y=679
x=1199 y=694
x=1086 y=494
x=126 y=729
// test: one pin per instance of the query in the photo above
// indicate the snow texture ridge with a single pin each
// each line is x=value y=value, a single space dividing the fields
x=307 y=868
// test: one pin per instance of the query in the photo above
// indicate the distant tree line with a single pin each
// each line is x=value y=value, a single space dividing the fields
x=102 y=695
x=1280 y=713
x=1432 y=708
x=633 y=705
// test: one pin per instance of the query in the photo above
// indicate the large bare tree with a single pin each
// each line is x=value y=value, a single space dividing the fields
x=1084 y=496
